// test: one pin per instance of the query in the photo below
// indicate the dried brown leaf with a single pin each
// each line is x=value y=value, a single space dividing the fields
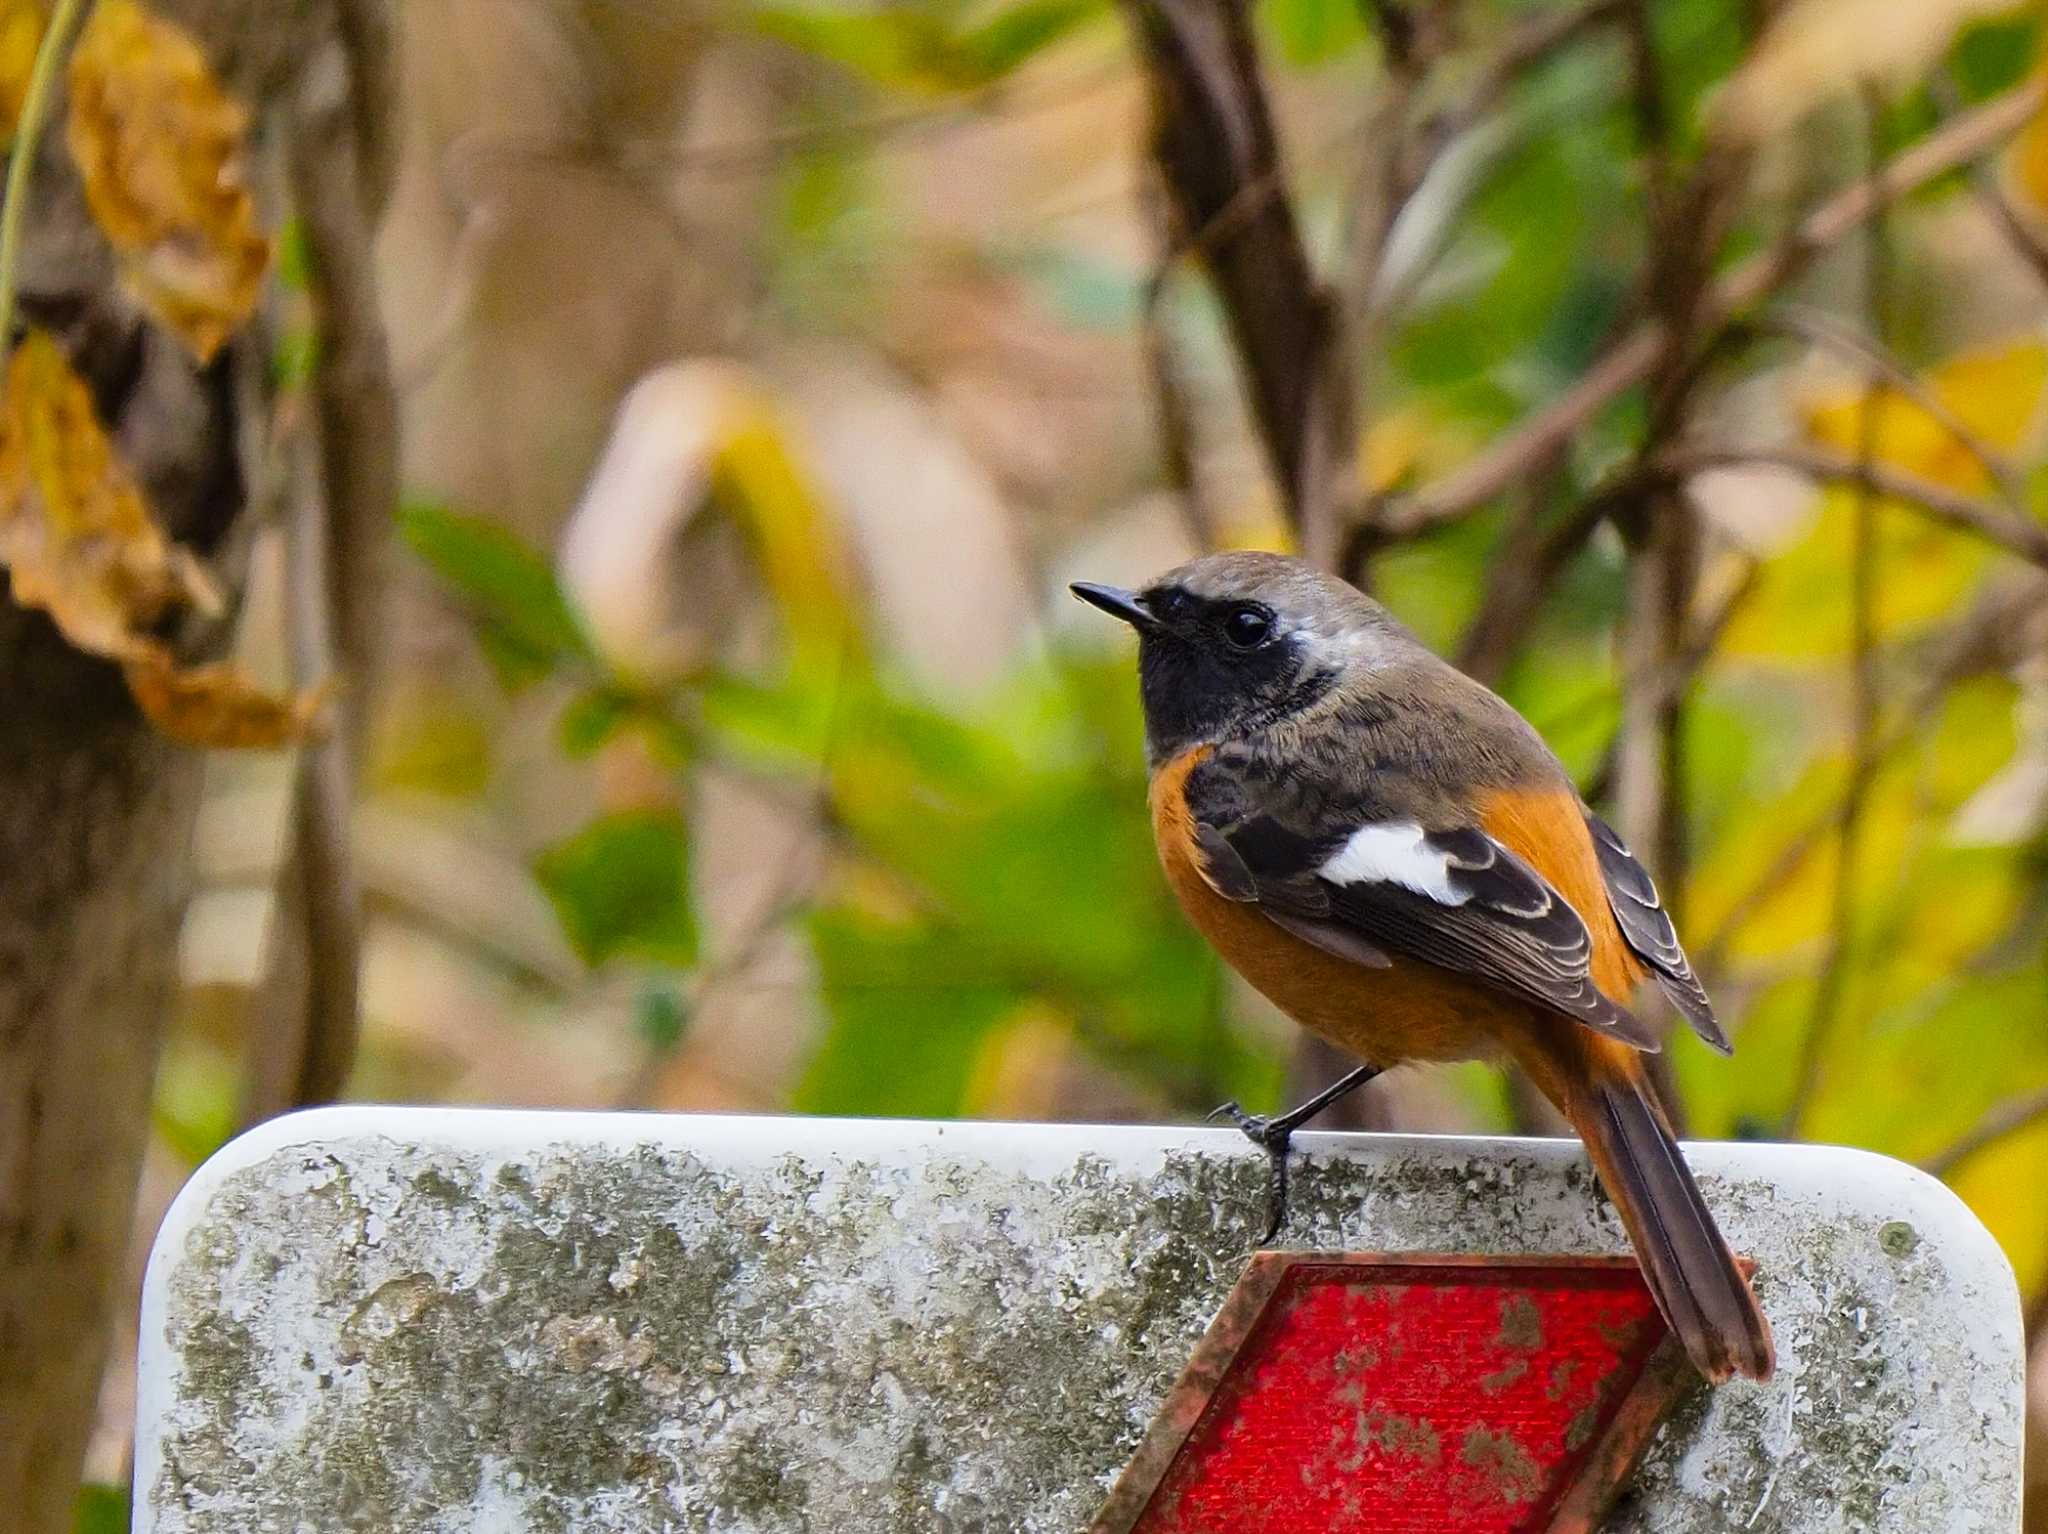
x=218 y=707
x=74 y=533
x=79 y=543
x=159 y=146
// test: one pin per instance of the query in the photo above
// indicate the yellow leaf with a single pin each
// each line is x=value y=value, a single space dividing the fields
x=1994 y=391
x=159 y=147
x=218 y=707
x=21 y=30
x=1260 y=527
x=2026 y=164
x=1798 y=610
x=798 y=548
x=1016 y=1072
x=691 y=434
x=1393 y=447
x=2002 y=1186
x=74 y=533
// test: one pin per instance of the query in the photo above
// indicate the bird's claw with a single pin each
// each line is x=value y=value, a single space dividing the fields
x=1274 y=1136
x=1255 y=1127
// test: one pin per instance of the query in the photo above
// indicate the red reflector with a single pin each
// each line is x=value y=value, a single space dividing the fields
x=1407 y=1396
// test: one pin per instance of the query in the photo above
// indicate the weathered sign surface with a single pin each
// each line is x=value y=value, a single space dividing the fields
x=378 y=1319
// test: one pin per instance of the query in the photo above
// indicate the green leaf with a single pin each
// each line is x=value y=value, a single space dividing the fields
x=903 y=46
x=1994 y=56
x=591 y=720
x=920 y=48
x=911 y=1010
x=292 y=361
x=621 y=887
x=1016 y=35
x=294 y=263
x=197 y=1100
x=101 y=1510
x=526 y=626
x=661 y=1018
x=1312 y=32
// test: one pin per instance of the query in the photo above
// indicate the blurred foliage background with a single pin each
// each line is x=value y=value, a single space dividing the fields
x=766 y=370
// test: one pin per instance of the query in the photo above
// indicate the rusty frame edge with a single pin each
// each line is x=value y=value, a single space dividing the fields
x=1665 y=1376
x=1192 y=1392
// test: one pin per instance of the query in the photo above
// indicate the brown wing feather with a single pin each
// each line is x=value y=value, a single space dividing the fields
x=1646 y=927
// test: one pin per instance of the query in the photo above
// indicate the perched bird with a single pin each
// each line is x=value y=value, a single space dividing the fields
x=1393 y=856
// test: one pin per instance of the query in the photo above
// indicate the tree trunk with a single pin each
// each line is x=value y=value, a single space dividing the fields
x=96 y=811
x=95 y=821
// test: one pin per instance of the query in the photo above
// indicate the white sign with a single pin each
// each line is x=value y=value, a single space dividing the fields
x=439 y=1321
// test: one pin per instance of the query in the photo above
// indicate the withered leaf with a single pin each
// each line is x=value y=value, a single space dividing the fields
x=79 y=543
x=74 y=533
x=159 y=146
x=218 y=707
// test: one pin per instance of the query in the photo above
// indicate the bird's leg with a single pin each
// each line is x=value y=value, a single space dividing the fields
x=1275 y=1136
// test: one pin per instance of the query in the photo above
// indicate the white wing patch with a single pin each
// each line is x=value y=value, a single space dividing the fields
x=1394 y=852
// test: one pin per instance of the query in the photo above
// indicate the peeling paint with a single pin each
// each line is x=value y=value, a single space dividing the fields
x=441 y=1322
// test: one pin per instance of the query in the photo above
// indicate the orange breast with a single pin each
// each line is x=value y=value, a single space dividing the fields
x=1412 y=1011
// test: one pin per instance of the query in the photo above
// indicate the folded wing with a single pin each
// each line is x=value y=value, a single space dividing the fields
x=1646 y=928
x=1455 y=898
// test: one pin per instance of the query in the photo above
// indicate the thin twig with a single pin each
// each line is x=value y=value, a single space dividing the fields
x=308 y=1003
x=1863 y=679
x=1545 y=33
x=1170 y=397
x=1386 y=178
x=2007 y=1119
x=28 y=134
x=1632 y=359
x=1533 y=557
x=1951 y=508
x=1978 y=644
x=786 y=900
x=2019 y=232
x=1703 y=636
x=1824 y=331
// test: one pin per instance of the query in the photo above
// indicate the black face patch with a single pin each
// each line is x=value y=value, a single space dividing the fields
x=1198 y=674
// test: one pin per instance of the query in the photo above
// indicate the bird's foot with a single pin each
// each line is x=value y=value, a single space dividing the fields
x=1275 y=1136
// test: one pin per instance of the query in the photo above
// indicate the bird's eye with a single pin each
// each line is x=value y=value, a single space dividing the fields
x=1248 y=627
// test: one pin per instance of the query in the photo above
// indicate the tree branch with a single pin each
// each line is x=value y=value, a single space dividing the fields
x=1822 y=330
x=2014 y=1116
x=307 y=1005
x=1170 y=398
x=1631 y=360
x=1213 y=140
x=1964 y=513
x=1863 y=678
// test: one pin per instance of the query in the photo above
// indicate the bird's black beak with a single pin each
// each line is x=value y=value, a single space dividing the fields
x=1117 y=602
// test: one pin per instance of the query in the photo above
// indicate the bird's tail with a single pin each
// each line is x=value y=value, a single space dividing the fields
x=1704 y=1297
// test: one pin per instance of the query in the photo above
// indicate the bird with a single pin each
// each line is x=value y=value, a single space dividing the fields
x=1393 y=856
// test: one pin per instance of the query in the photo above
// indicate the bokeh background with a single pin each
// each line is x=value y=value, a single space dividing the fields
x=766 y=370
